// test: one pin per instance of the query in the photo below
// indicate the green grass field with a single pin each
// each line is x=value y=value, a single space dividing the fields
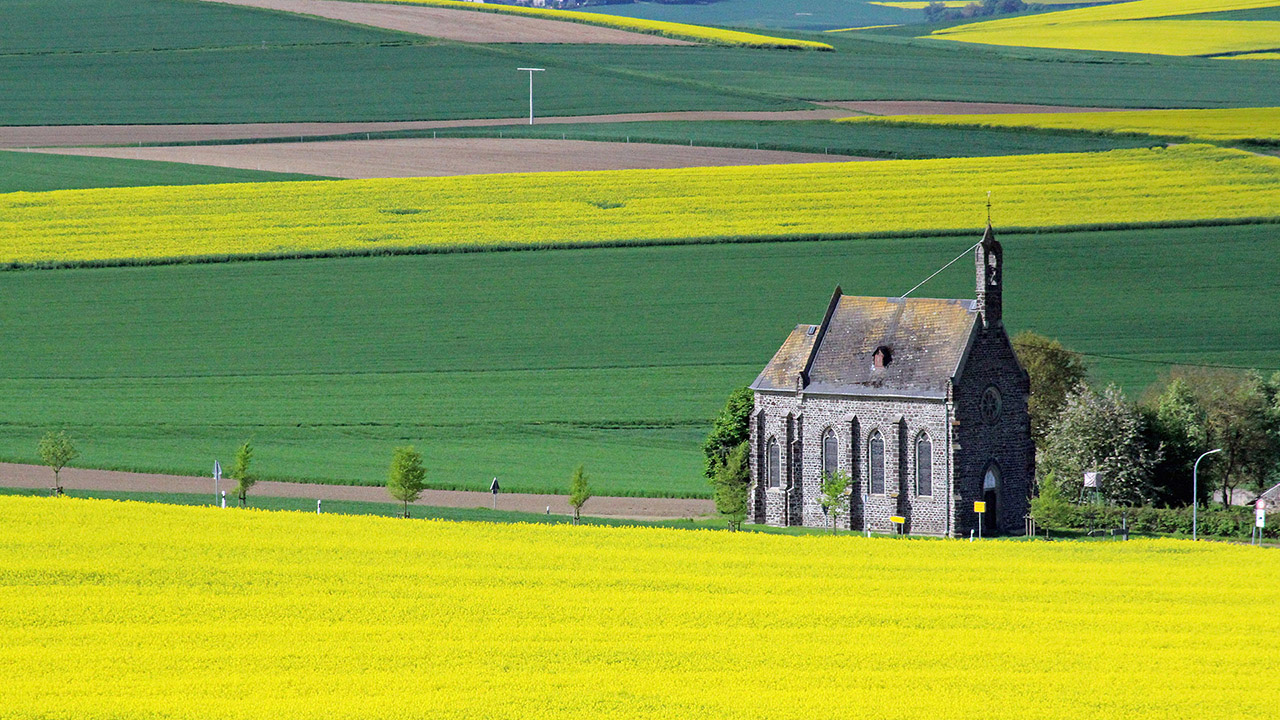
x=37 y=172
x=884 y=66
x=869 y=140
x=202 y=62
x=524 y=364
x=84 y=61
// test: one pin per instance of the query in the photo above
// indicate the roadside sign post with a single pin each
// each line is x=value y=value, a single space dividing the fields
x=531 y=71
x=494 y=488
x=1259 y=518
x=981 y=509
x=898 y=521
x=217 y=478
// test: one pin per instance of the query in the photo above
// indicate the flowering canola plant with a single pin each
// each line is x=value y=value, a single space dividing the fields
x=1143 y=26
x=1184 y=183
x=130 y=610
x=1220 y=124
x=681 y=31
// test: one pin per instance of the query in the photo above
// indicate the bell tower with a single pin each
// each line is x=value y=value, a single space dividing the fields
x=988 y=261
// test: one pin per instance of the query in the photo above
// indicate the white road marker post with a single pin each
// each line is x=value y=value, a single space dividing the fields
x=224 y=499
x=317 y=507
x=531 y=71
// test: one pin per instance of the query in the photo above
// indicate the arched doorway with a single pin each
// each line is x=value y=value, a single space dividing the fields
x=991 y=496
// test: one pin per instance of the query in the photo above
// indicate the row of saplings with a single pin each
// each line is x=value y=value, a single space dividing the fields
x=406 y=480
x=1143 y=451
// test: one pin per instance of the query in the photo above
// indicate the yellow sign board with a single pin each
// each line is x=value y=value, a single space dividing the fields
x=979 y=507
x=897 y=519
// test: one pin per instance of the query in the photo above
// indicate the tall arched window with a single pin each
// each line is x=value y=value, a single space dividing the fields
x=830 y=453
x=924 y=465
x=773 y=464
x=875 y=462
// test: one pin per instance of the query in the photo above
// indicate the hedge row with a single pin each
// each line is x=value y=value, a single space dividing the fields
x=1233 y=522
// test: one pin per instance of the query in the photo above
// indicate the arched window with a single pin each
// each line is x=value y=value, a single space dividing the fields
x=924 y=465
x=830 y=453
x=875 y=462
x=773 y=462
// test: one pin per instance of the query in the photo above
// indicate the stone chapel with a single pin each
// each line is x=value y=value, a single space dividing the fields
x=922 y=403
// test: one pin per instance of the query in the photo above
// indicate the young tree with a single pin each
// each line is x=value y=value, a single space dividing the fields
x=407 y=478
x=1054 y=370
x=579 y=492
x=728 y=430
x=1049 y=508
x=57 y=451
x=240 y=471
x=834 y=495
x=1102 y=432
x=731 y=485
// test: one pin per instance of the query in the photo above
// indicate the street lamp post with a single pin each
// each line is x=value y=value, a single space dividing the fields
x=1195 y=492
x=531 y=71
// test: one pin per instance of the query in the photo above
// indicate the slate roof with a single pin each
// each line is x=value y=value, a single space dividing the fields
x=1272 y=497
x=927 y=339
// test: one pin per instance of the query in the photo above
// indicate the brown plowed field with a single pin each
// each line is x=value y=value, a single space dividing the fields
x=29 y=136
x=38 y=476
x=449 y=156
x=462 y=25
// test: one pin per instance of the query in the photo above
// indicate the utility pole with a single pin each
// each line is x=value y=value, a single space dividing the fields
x=531 y=71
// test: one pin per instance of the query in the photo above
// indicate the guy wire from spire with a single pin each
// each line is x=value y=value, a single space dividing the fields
x=944 y=267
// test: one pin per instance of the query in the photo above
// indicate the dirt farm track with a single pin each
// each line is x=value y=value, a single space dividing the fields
x=38 y=476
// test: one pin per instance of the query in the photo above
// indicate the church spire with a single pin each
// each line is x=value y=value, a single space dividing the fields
x=988 y=262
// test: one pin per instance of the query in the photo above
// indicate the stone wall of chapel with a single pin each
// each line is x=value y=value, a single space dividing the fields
x=778 y=418
x=899 y=422
x=1006 y=442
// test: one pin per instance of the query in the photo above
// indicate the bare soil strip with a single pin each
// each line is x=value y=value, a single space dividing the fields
x=461 y=25
x=450 y=156
x=40 y=477
x=32 y=136
x=946 y=107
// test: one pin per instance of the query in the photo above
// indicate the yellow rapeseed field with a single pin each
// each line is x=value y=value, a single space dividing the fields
x=1136 y=27
x=1230 y=124
x=682 y=31
x=128 y=610
x=1185 y=183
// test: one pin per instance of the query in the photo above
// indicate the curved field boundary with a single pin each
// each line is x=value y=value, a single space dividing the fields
x=451 y=25
x=953 y=107
x=1256 y=125
x=405 y=158
x=16 y=475
x=1184 y=184
x=1136 y=27
x=682 y=31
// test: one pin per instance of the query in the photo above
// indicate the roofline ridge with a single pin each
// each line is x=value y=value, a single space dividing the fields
x=822 y=332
